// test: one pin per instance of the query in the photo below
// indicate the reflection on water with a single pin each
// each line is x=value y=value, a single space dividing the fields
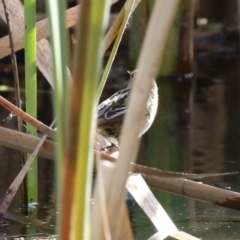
x=209 y=140
x=207 y=126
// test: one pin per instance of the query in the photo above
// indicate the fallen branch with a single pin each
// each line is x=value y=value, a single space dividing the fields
x=195 y=190
x=175 y=185
x=12 y=190
x=26 y=143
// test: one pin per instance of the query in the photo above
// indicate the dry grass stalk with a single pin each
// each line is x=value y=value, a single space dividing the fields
x=183 y=236
x=26 y=143
x=202 y=192
x=225 y=198
x=12 y=190
x=149 y=204
x=153 y=209
x=44 y=60
x=178 y=235
x=99 y=207
x=148 y=171
x=43 y=31
x=180 y=186
x=161 y=19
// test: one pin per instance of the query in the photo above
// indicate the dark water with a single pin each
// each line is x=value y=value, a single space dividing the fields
x=196 y=131
x=201 y=134
x=211 y=144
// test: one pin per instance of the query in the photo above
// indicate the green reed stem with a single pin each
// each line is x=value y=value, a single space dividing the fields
x=86 y=74
x=56 y=11
x=31 y=90
x=127 y=12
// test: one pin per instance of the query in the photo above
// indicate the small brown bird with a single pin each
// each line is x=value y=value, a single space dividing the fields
x=112 y=111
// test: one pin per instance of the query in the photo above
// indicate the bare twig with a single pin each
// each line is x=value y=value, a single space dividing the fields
x=14 y=64
x=154 y=172
x=27 y=118
x=191 y=176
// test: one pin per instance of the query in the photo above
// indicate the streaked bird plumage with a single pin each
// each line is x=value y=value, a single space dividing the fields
x=111 y=112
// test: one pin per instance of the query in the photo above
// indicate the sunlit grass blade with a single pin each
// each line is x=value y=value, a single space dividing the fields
x=114 y=29
x=127 y=10
x=87 y=63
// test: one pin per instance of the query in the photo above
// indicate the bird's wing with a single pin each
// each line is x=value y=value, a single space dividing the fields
x=113 y=109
